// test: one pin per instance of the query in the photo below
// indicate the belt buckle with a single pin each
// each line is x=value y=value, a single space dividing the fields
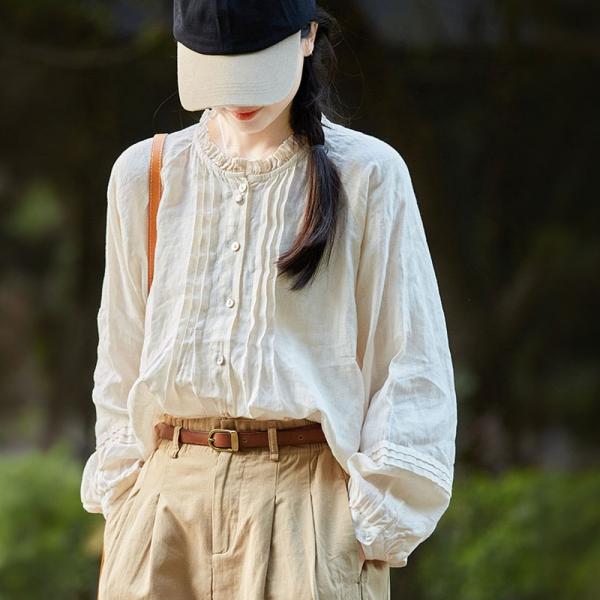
x=233 y=434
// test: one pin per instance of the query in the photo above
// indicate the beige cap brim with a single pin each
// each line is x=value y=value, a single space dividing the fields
x=254 y=78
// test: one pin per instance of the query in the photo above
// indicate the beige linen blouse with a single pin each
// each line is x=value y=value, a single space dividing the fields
x=363 y=350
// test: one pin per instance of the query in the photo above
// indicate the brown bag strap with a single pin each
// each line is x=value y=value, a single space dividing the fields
x=155 y=195
x=155 y=190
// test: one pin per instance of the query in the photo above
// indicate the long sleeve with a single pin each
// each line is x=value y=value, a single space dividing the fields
x=401 y=478
x=114 y=465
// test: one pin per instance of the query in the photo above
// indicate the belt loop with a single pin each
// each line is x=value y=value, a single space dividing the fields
x=273 y=445
x=176 y=442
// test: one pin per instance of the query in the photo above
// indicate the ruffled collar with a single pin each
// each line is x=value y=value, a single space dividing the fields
x=283 y=154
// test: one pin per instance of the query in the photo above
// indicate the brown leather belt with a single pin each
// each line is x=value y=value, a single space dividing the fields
x=231 y=440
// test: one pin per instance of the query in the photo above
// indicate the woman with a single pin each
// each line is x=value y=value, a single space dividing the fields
x=294 y=303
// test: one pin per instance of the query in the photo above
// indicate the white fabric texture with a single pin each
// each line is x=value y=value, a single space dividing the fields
x=363 y=349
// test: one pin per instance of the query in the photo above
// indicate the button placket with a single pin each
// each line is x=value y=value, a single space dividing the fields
x=235 y=246
x=240 y=196
x=243 y=190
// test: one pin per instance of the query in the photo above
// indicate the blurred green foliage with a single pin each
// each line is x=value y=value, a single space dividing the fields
x=49 y=546
x=524 y=535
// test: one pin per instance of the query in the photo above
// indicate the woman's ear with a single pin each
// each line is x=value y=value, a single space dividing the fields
x=308 y=43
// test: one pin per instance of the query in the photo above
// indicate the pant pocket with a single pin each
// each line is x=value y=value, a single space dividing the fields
x=126 y=569
x=375 y=583
x=116 y=517
x=359 y=562
x=117 y=514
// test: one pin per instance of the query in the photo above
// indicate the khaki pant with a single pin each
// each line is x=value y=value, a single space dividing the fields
x=249 y=525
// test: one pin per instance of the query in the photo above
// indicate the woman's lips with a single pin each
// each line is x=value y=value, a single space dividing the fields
x=244 y=116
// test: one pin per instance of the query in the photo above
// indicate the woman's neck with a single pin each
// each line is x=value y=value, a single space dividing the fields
x=261 y=144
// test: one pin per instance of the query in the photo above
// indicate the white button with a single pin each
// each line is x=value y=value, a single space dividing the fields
x=239 y=198
x=242 y=187
x=220 y=359
x=235 y=246
x=230 y=302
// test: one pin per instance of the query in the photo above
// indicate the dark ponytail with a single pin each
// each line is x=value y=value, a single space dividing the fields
x=325 y=202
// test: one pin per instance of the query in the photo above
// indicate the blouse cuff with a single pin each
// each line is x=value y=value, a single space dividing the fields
x=373 y=524
x=110 y=471
x=389 y=520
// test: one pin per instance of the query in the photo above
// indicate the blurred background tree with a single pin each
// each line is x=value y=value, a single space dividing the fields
x=493 y=105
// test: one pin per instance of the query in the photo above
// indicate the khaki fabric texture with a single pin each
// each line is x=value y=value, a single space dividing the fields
x=261 y=523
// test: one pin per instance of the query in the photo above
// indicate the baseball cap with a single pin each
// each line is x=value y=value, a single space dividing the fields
x=237 y=52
